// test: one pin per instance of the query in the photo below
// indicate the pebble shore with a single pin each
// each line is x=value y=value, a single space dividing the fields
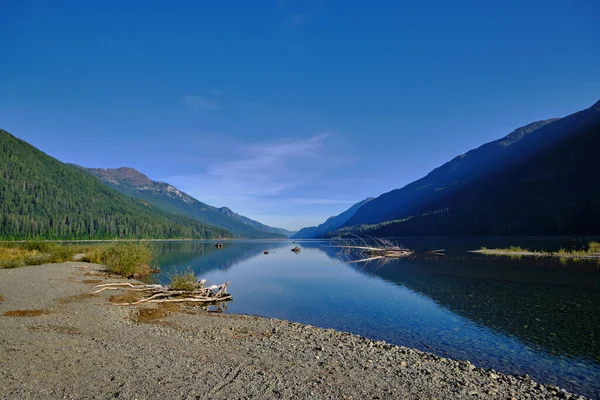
x=59 y=341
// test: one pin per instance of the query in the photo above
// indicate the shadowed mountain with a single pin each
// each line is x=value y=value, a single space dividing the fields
x=133 y=183
x=535 y=181
x=331 y=224
x=40 y=197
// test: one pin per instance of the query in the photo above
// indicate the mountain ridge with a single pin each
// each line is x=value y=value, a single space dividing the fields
x=41 y=197
x=167 y=197
x=400 y=212
x=331 y=224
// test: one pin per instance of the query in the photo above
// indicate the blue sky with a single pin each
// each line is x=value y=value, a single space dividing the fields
x=288 y=111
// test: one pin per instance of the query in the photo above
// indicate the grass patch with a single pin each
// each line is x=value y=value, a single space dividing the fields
x=592 y=251
x=14 y=257
x=511 y=249
x=20 y=254
x=516 y=249
x=125 y=259
x=1 y=298
x=94 y=254
x=594 y=247
x=131 y=260
x=185 y=281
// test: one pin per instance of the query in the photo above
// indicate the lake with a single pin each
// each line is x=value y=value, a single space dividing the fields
x=531 y=316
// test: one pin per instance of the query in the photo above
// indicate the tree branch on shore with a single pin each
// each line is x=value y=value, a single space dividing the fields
x=170 y=294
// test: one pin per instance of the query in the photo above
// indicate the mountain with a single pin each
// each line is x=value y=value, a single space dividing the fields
x=538 y=180
x=331 y=224
x=40 y=197
x=168 y=198
x=255 y=224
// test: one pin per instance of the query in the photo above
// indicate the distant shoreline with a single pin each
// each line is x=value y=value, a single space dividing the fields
x=135 y=240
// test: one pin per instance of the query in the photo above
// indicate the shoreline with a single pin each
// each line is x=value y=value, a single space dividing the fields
x=62 y=341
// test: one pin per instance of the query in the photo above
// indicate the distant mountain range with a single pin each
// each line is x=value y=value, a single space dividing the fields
x=165 y=197
x=539 y=180
x=331 y=224
x=40 y=197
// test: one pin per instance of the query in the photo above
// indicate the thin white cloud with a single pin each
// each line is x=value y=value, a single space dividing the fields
x=197 y=103
x=291 y=222
x=299 y=13
x=322 y=201
x=259 y=170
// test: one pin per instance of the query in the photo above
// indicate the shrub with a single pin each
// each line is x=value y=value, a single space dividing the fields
x=8 y=264
x=128 y=259
x=185 y=281
x=60 y=252
x=594 y=247
x=38 y=245
x=94 y=254
x=35 y=259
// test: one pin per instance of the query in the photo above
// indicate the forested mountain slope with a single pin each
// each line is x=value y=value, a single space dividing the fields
x=133 y=183
x=40 y=197
x=332 y=223
x=544 y=185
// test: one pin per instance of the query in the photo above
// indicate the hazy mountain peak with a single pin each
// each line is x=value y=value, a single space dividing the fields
x=122 y=175
x=226 y=211
x=331 y=224
x=167 y=197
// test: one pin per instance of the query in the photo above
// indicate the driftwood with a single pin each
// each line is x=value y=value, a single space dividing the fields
x=379 y=249
x=166 y=294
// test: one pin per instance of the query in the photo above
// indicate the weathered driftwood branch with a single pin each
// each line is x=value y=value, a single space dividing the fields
x=377 y=249
x=167 y=294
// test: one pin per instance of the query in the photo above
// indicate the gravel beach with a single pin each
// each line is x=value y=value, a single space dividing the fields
x=58 y=341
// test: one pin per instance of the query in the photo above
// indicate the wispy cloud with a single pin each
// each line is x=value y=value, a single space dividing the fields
x=197 y=103
x=298 y=13
x=259 y=170
x=322 y=201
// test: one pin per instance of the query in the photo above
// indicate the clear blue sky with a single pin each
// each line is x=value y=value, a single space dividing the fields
x=288 y=111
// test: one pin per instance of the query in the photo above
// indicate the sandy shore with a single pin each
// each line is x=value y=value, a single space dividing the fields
x=59 y=342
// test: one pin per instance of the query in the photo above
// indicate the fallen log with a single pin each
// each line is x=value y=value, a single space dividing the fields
x=167 y=294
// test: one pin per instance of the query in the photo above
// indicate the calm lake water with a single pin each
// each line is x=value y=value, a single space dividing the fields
x=520 y=316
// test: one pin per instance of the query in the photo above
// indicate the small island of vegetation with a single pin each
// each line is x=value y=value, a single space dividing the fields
x=591 y=253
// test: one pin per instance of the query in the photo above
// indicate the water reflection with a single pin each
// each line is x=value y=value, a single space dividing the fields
x=545 y=304
x=532 y=316
x=205 y=256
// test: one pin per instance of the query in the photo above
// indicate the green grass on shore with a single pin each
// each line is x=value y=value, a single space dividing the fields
x=128 y=259
x=592 y=251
